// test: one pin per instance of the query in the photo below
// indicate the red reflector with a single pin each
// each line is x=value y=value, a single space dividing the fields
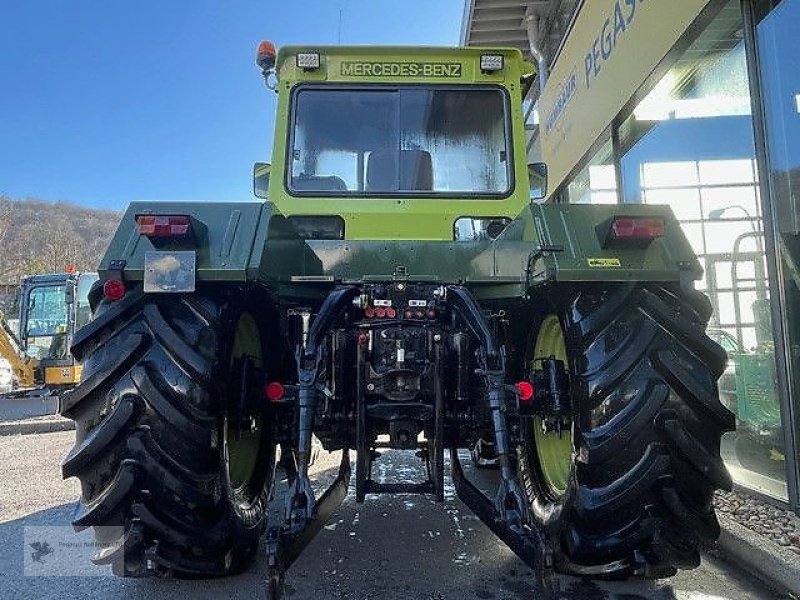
x=525 y=389
x=369 y=312
x=639 y=228
x=391 y=312
x=380 y=312
x=363 y=338
x=163 y=225
x=114 y=289
x=275 y=391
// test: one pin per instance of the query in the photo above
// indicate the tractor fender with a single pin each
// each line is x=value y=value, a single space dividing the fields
x=226 y=237
x=572 y=244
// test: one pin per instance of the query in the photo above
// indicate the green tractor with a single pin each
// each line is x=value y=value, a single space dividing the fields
x=398 y=281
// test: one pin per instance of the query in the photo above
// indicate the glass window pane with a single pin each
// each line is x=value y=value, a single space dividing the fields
x=721 y=236
x=46 y=328
x=669 y=174
x=746 y=269
x=83 y=311
x=596 y=183
x=730 y=202
x=724 y=274
x=726 y=172
x=604 y=198
x=694 y=233
x=603 y=177
x=400 y=141
x=684 y=202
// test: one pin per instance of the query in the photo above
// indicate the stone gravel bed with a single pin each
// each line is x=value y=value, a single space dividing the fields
x=780 y=526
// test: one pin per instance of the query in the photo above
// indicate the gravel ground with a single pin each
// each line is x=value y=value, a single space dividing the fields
x=781 y=526
x=31 y=474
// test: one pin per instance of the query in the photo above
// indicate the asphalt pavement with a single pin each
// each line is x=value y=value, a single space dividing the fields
x=401 y=547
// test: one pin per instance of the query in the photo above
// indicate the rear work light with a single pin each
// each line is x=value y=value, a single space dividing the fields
x=163 y=226
x=636 y=231
x=308 y=61
x=491 y=63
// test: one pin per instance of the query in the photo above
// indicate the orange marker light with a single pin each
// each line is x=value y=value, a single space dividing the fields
x=265 y=55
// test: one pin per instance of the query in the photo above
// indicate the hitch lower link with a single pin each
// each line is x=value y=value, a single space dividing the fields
x=508 y=515
x=304 y=514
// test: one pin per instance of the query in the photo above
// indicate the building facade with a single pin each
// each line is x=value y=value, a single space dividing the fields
x=695 y=104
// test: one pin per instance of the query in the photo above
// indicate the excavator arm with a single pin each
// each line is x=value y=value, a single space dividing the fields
x=24 y=367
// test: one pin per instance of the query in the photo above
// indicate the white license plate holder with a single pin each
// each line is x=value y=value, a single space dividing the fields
x=169 y=272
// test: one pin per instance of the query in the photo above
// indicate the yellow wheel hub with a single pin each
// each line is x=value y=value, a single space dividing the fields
x=242 y=454
x=554 y=452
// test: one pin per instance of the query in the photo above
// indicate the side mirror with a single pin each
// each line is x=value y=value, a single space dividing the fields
x=261 y=179
x=537 y=177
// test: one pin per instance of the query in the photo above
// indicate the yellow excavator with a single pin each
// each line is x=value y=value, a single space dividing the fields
x=51 y=308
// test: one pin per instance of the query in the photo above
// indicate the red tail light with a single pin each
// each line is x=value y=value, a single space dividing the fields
x=380 y=312
x=369 y=312
x=637 y=228
x=274 y=391
x=525 y=390
x=391 y=312
x=163 y=225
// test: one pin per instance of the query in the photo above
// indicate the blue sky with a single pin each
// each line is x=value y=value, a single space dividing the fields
x=104 y=101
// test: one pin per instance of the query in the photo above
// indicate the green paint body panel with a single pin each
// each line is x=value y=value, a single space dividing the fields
x=545 y=243
x=405 y=237
x=223 y=246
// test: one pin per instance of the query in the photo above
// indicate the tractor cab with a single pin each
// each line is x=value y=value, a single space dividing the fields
x=373 y=137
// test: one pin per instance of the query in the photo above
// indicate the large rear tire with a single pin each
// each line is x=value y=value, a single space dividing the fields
x=631 y=496
x=167 y=483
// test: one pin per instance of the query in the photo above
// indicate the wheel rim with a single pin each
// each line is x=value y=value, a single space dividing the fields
x=554 y=453
x=241 y=456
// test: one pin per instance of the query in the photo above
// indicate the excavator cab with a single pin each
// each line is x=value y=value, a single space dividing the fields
x=52 y=308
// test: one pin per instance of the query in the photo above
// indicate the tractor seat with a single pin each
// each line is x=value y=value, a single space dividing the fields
x=317 y=183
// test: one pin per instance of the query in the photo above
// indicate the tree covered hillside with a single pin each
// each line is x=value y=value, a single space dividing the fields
x=45 y=237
